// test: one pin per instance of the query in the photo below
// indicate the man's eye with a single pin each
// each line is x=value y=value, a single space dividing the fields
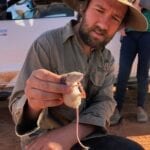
x=117 y=19
x=100 y=10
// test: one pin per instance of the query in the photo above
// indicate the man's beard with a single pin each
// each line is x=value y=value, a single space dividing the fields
x=84 y=33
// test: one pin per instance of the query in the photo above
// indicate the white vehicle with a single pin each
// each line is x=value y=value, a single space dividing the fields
x=26 y=24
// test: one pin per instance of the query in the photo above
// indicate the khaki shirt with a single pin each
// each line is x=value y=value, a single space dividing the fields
x=60 y=52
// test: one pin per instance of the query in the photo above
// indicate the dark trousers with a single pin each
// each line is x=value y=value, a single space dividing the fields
x=135 y=43
x=109 y=142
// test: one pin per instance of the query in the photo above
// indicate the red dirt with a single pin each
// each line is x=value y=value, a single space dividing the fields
x=128 y=128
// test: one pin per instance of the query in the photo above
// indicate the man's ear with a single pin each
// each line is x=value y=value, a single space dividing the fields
x=82 y=8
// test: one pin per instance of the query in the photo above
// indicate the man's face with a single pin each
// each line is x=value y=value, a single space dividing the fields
x=101 y=21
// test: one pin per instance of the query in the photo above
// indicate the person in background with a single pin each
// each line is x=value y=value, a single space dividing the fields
x=37 y=105
x=133 y=43
x=145 y=4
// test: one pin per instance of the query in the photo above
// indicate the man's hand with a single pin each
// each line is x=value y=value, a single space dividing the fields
x=43 y=89
x=50 y=141
x=44 y=143
x=60 y=139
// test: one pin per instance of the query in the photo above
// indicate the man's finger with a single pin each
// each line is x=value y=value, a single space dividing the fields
x=46 y=75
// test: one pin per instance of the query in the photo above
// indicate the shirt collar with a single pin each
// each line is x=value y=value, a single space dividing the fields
x=68 y=30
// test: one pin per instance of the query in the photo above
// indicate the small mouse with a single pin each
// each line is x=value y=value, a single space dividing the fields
x=74 y=98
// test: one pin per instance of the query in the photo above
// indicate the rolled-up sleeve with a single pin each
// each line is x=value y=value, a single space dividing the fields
x=36 y=59
x=17 y=108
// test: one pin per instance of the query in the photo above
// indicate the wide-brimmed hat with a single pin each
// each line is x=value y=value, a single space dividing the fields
x=134 y=19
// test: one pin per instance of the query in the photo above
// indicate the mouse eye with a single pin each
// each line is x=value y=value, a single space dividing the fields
x=63 y=80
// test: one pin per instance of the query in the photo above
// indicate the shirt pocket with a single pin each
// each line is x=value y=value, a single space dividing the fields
x=97 y=76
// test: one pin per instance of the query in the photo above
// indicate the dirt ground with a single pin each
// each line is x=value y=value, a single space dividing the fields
x=139 y=132
x=129 y=127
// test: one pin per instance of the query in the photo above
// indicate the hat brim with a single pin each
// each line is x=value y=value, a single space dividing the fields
x=135 y=19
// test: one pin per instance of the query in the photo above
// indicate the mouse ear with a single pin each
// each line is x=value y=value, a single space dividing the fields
x=82 y=91
x=63 y=79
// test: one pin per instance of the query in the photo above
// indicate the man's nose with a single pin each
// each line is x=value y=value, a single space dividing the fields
x=104 y=23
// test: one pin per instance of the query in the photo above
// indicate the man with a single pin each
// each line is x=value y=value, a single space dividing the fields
x=145 y=4
x=133 y=43
x=42 y=120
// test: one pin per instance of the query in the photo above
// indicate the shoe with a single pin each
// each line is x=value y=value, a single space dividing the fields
x=141 y=115
x=115 y=118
